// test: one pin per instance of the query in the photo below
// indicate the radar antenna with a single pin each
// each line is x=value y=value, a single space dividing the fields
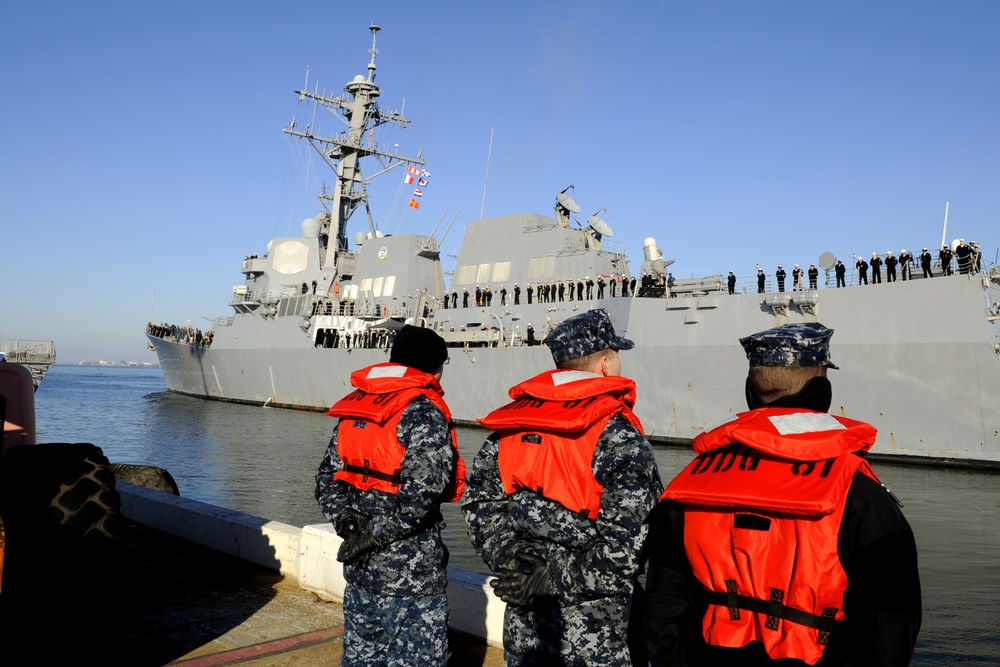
x=827 y=260
x=565 y=204
x=600 y=227
x=374 y=52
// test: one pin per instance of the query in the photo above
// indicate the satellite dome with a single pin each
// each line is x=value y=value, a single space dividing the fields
x=360 y=238
x=359 y=78
x=310 y=228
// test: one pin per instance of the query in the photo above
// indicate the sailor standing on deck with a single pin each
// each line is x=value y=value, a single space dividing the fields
x=944 y=256
x=905 y=259
x=862 y=267
x=963 y=255
x=925 y=263
x=778 y=544
x=556 y=502
x=392 y=460
x=876 y=265
x=841 y=272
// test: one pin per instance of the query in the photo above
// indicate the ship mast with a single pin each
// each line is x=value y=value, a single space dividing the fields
x=344 y=152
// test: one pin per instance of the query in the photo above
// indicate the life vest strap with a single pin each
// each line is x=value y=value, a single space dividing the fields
x=775 y=609
x=366 y=471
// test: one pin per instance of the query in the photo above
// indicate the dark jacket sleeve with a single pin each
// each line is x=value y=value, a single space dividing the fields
x=883 y=602
x=672 y=610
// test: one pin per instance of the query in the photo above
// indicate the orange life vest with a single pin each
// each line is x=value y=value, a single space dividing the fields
x=549 y=432
x=763 y=504
x=366 y=438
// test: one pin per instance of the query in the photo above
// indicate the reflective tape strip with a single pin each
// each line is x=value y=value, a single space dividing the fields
x=572 y=376
x=805 y=422
x=386 y=372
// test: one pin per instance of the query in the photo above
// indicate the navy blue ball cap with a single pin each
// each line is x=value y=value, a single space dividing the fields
x=583 y=335
x=806 y=344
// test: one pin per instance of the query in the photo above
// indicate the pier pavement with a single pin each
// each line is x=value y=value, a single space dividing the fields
x=198 y=608
x=150 y=598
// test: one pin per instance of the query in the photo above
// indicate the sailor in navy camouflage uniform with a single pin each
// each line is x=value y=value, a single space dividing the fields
x=395 y=604
x=574 y=609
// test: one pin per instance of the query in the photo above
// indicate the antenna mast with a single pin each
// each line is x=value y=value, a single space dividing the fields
x=944 y=232
x=489 y=156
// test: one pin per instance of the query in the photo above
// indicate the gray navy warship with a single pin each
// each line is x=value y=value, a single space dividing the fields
x=37 y=355
x=314 y=308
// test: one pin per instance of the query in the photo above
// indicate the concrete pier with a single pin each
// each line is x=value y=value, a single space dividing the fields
x=192 y=584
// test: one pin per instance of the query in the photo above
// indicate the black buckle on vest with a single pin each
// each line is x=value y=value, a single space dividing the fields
x=774 y=607
x=775 y=610
x=366 y=472
x=829 y=614
x=732 y=600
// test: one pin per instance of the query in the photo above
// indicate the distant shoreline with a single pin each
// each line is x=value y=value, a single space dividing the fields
x=116 y=364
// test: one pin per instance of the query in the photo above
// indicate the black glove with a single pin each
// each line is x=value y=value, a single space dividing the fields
x=358 y=544
x=353 y=523
x=529 y=580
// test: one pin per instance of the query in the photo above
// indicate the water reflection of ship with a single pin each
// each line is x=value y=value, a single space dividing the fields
x=919 y=358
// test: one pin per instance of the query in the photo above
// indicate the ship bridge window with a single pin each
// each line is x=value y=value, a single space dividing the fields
x=466 y=274
x=501 y=272
x=381 y=286
x=542 y=267
x=483 y=275
x=292 y=306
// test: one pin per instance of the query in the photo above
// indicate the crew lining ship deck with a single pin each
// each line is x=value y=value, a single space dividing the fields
x=919 y=359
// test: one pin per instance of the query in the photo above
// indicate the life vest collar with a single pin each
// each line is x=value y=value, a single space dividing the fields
x=802 y=435
x=388 y=377
x=563 y=385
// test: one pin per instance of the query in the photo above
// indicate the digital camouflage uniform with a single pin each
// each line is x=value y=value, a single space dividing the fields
x=400 y=586
x=593 y=562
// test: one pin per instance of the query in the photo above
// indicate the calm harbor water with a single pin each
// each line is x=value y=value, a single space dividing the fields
x=262 y=461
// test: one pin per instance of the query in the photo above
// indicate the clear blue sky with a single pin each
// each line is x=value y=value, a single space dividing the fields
x=142 y=147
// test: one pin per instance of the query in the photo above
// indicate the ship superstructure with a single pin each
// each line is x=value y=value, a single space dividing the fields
x=313 y=308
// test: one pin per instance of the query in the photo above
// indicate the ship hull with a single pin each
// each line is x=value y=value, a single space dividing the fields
x=917 y=360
